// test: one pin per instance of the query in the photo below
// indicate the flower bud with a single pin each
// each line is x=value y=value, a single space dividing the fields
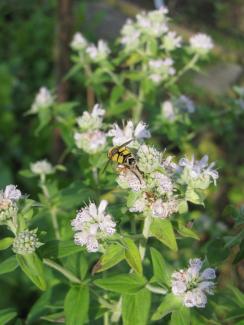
x=26 y=242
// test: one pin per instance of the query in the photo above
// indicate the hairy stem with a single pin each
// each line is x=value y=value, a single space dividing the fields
x=69 y=275
x=145 y=232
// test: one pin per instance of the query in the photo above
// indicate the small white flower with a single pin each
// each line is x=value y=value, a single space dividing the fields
x=12 y=193
x=91 y=142
x=201 y=43
x=139 y=205
x=160 y=69
x=156 y=78
x=168 y=111
x=42 y=167
x=78 y=42
x=163 y=183
x=171 y=41
x=8 y=199
x=91 y=121
x=199 y=168
x=42 y=100
x=162 y=209
x=92 y=226
x=190 y=284
x=129 y=132
x=99 y=52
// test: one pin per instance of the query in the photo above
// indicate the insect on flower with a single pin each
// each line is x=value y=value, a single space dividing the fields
x=124 y=158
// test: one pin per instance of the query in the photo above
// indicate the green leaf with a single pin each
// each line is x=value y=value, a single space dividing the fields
x=112 y=256
x=123 y=283
x=116 y=94
x=163 y=231
x=136 y=308
x=216 y=252
x=7 y=315
x=186 y=232
x=32 y=266
x=119 y=108
x=132 y=255
x=54 y=318
x=8 y=265
x=76 y=305
x=194 y=196
x=169 y=304
x=160 y=271
x=6 y=243
x=181 y=317
x=58 y=249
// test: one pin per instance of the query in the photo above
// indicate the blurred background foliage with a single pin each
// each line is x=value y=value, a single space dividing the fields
x=28 y=60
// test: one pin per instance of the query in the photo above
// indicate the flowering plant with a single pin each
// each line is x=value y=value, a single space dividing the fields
x=112 y=245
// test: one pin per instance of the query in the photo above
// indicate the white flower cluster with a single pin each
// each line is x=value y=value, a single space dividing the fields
x=94 y=53
x=171 y=41
x=129 y=132
x=176 y=108
x=160 y=70
x=152 y=181
x=26 y=242
x=42 y=167
x=92 y=226
x=89 y=137
x=8 y=199
x=201 y=43
x=43 y=99
x=198 y=169
x=192 y=285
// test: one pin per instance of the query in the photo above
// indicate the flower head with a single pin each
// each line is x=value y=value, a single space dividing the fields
x=42 y=100
x=78 y=43
x=42 y=167
x=171 y=41
x=130 y=179
x=98 y=53
x=91 y=121
x=129 y=132
x=149 y=159
x=8 y=198
x=201 y=43
x=91 y=142
x=192 y=285
x=26 y=242
x=160 y=70
x=92 y=225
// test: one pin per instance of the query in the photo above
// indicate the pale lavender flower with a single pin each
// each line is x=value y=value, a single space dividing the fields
x=91 y=142
x=130 y=179
x=192 y=285
x=171 y=41
x=149 y=159
x=42 y=167
x=92 y=226
x=43 y=99
x=78 y=43
x=99 y=52
x=8 y=199
x=129 y=132
x=201 y=43
x=91 y=121
x=162 y=209
x=163 y=183
x=168 y=110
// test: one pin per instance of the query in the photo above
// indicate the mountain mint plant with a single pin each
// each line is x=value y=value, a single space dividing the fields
x=108 y=240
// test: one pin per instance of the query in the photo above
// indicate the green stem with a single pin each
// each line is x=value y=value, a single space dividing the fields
x=156 y=289
x=187 y=67
x=69 y=275
x=53 y=210
x=145 y=232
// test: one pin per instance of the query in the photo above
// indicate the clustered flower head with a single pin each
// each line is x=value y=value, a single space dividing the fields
x=129 y=132
x=193 y=170
x=160 y=70
x=43 y=99
x=201 y=43
x=89 y=137
x=171 y=41
x=177 y=107
x=8 y=202
x=42 y=167
x=192 y=285
x=92 y=226
x=26 y=242
x=91 y=52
